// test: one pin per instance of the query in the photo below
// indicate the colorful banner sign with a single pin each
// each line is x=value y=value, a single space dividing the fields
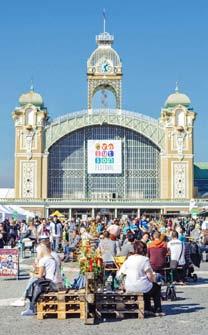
x=104 y=156
x=9 y=263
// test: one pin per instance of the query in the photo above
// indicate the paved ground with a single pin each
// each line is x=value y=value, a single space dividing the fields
x=188 y=315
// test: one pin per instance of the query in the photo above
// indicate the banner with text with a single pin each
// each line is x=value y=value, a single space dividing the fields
x=104 y=156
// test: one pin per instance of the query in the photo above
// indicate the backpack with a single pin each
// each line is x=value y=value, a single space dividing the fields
x=38 y=287
x=170 y=293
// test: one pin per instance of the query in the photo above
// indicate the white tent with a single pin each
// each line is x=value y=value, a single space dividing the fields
x=22 y=211
x=7 y=193
x=5 y=212
x=8 y=212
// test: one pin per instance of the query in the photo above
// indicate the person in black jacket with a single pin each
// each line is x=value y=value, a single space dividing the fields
x=3 y=237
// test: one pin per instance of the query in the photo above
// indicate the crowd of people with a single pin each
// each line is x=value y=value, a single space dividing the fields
x=65 y=235
x=148 y=245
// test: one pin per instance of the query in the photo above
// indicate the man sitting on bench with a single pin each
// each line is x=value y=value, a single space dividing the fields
x=74 y=240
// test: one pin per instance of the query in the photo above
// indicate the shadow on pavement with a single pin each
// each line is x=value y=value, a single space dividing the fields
x=174 y=309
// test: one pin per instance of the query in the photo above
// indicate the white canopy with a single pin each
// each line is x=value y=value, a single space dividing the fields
x=14 y=210
x=6 y=193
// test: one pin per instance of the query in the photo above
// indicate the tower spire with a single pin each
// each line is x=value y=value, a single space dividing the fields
x=31 y=85
x=104 y=38
x=104 y=20
x=177 y=87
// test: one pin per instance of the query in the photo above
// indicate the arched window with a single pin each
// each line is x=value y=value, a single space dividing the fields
x=30 y=117
x=104 y=98
x=180 y=118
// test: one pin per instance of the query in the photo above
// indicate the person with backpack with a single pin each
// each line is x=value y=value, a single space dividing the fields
x=48 y=276
x=177 y=257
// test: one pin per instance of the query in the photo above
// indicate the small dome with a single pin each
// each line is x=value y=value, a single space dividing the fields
x=31 y=98
x=177 y=98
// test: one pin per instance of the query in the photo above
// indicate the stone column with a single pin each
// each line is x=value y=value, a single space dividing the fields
x=70 y=213
x=45 y=176
x=138 y=213
x=116 y=212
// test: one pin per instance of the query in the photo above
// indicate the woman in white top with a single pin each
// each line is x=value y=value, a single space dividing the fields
x=48 y=268
x=139 y=277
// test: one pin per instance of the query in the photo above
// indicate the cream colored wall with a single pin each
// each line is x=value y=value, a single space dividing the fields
x=37 y=157
x=167 y=177
x=171 y=155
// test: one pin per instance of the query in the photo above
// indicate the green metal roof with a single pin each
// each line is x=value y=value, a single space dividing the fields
x=201 y=170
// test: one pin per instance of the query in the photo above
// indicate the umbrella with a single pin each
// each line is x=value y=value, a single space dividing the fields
x=58 y=214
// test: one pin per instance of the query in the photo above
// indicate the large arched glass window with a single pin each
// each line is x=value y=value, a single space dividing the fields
x=67 y=166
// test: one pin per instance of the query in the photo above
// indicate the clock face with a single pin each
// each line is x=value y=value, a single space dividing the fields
x=106 y=67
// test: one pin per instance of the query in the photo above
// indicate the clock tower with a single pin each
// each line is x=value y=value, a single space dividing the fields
x=104 y=70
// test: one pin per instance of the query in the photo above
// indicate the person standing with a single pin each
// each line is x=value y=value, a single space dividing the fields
x=2 y=236
x=43 y=229
x=108 y=248
x=56 y=232
x=114 y=230
x=204 y=225
x=157 y=252
x=177 y=257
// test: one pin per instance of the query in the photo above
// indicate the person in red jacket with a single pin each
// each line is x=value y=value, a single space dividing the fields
x=157 y=252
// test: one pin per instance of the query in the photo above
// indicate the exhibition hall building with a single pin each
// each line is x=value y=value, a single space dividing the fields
x=106 y=160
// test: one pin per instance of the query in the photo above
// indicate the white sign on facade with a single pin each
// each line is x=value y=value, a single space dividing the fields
x=104 y=156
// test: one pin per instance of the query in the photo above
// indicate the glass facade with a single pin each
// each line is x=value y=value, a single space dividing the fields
x=67 y=167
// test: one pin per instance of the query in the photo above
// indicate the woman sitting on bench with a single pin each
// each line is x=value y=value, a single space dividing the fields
x=48 y=265
x=139 y=277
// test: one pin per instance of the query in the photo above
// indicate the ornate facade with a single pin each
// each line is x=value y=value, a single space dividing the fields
x=51 y=156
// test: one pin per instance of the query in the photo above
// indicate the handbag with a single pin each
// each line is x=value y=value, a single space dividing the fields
x=174 y=263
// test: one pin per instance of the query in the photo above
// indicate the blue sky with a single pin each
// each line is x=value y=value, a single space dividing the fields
x=159 y=42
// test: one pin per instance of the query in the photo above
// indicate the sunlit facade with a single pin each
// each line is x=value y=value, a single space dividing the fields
x=151 y=168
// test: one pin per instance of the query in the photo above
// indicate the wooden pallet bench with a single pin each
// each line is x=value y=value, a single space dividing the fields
x=61 y=305
x=119 y=305
x=69 y=303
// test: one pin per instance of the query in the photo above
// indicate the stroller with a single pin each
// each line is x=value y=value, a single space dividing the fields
x=195 y=260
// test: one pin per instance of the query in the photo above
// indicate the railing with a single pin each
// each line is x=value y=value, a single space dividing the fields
x=180 y=202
